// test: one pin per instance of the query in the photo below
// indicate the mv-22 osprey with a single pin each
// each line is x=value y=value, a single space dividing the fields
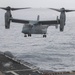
x=36 y=27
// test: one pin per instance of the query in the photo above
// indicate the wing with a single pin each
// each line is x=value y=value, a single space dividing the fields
x=35 y=22
x=19 y=20
x=49 y=22
x=23 y=21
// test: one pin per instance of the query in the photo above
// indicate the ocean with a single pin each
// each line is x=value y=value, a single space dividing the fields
x=55 y=52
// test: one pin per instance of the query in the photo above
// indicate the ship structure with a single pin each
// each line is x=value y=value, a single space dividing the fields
x=10 y=65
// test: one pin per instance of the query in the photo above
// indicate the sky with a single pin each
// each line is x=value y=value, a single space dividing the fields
x=38 y=3
x=68 y=4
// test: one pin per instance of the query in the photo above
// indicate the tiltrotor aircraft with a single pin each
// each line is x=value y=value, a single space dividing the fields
x=35 y=27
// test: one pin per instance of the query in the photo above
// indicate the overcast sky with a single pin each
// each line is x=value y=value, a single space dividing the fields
x=68 y=4
x=38 y=3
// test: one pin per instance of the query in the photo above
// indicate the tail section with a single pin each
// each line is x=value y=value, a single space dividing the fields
x=38 y=17
x=56 y=26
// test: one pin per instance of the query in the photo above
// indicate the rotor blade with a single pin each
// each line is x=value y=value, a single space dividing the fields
x=9 y=8
x=3 y=8
x=62 y=9
x=55 y=9
x=19 y=8
x=69 y=10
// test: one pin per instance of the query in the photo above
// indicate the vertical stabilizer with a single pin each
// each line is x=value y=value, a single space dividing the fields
x=38 y=18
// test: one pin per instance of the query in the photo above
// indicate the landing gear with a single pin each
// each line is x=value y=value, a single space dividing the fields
x=44 y=36
x=25 y=35
x=61 y=28
x=29 y=35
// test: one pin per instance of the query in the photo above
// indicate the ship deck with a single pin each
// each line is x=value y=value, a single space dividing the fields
x=13 y=66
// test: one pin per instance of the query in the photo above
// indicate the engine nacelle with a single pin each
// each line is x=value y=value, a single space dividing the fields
x=62 y=21
x=7 y=19
x=61 y=26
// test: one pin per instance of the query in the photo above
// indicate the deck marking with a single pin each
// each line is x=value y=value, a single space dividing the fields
x=22 y=70
x=12 y=72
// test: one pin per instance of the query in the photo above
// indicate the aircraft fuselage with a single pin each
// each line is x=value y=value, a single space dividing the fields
x=34 y=29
